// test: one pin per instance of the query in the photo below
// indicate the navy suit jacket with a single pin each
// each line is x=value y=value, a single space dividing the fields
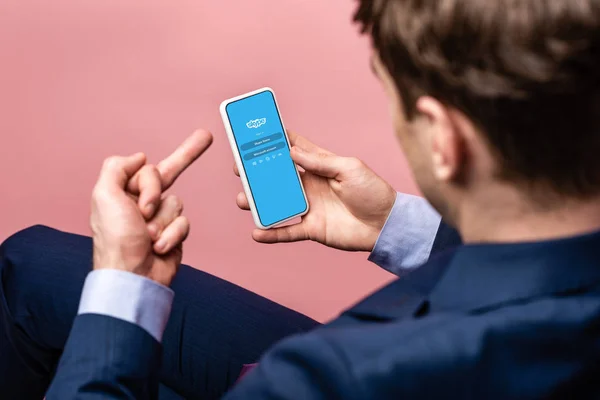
x=478 y=321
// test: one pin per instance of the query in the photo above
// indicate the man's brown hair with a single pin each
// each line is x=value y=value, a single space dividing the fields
x=526 y=72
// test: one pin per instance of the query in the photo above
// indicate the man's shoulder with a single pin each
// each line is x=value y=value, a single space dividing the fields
x=402 y=296
x=398 y=343
x=522 y=349
x=481 y=354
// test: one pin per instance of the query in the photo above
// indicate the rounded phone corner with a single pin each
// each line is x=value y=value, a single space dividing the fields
x=260 y=226
x=223 y=106
x=306 y=210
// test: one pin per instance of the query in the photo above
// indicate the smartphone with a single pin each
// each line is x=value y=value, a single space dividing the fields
x=261 y=150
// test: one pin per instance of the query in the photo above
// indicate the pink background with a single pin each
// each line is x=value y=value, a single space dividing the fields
x=81 y=80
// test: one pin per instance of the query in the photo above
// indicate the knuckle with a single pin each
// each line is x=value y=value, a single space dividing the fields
x=165 y=170
x=185 y=222
x=96 y=193
x=149 y=171
x=152 y=169
x=322 y=156
x=184 y=227
x=111 y=163
x=289 y=232
x=101 y=194
x=175 y=203
x=355 y=163
x=144 y=170
x=323 y=159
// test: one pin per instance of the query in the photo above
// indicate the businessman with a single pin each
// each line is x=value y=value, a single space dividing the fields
x=215 y=327
x=496 y=106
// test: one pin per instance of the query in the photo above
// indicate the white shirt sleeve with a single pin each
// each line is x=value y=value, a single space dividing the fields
x=129 y=297
x=407 y=237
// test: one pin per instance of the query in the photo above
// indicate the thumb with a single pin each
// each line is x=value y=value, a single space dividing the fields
x=324 y=164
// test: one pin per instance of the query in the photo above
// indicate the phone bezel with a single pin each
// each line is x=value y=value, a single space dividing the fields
x=238 y=159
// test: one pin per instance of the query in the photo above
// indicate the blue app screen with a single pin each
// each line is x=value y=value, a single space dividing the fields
x=266 y=158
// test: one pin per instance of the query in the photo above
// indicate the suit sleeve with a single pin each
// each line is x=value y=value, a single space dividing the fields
x=107 y=358
x=113 y=350
x=302 y=367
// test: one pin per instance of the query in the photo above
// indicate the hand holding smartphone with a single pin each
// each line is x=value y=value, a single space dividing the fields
x=261 y=150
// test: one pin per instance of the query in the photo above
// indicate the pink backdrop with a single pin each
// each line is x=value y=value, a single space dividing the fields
x=83 y=80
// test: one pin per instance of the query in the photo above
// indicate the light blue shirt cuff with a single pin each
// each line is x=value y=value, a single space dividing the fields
x=407 y=237
x=129 y=297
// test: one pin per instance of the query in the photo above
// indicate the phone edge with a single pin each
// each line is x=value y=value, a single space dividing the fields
x=239 y=164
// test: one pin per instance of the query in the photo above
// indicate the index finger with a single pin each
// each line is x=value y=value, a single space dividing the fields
x=192 y=148
x=116 y=171
x=304 y=143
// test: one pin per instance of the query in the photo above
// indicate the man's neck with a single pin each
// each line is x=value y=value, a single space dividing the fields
x=504 y=215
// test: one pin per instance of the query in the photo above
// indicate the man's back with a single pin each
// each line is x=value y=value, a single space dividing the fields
x=484 y=321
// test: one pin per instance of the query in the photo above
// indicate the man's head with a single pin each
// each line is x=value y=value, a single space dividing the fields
x=483 y=93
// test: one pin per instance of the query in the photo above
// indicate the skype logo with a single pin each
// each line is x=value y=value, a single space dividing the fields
x=256 y=123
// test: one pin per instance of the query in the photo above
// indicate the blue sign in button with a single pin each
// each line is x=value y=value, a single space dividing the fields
x=263 y=151
x=261 y=141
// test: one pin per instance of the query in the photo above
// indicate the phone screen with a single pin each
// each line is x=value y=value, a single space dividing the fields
x=265 y=156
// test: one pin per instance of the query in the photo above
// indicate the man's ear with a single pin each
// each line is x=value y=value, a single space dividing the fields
x=447 y=145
